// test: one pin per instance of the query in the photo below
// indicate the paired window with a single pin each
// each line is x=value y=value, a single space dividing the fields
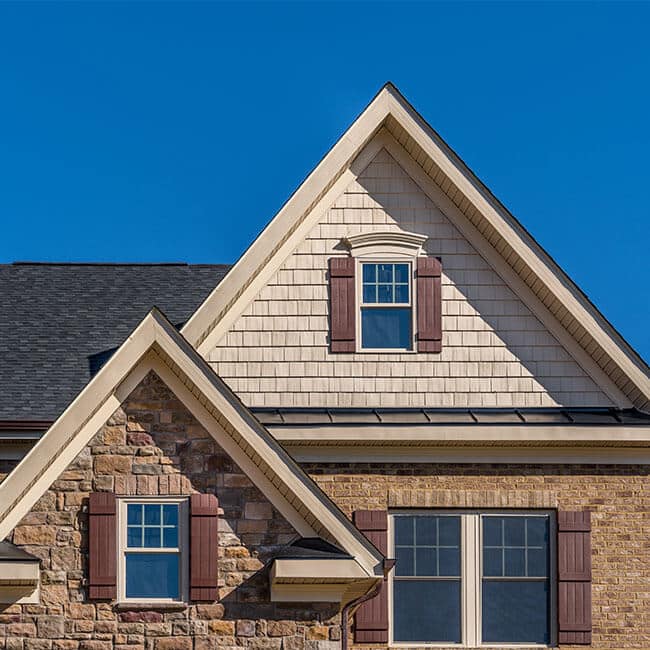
x=472 y=578
x=152 y=561
x=386 y=306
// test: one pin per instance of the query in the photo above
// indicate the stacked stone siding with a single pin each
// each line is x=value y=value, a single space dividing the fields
x=153 y=446
x=618 y=496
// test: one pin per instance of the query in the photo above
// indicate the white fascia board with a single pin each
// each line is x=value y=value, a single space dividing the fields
x=316 y=570
x=18 y=573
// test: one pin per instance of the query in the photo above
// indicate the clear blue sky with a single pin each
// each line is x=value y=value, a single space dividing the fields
x=173 y=132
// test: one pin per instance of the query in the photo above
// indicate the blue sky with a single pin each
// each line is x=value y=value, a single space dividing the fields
x=173 y=132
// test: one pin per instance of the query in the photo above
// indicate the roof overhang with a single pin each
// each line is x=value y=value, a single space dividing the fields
x=390 y=122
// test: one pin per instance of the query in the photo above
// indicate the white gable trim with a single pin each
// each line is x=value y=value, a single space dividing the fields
x=155 y=345
x=528 y=261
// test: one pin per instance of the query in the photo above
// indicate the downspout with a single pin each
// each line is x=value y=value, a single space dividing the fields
x=387 y=566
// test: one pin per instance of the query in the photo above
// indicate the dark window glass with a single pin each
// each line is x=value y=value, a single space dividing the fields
x=427 y=610
x=152 y=575
x=515 y=611
x=386 y=328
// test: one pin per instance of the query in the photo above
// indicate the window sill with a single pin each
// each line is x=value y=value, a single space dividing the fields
x=157 y=606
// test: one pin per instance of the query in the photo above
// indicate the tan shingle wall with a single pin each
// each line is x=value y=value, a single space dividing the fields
x=495 y=351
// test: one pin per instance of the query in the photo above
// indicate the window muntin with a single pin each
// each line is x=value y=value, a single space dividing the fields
x=386 y=306
x=515 y=581
x=152 y=562
x=427 y=569
x=502 y=594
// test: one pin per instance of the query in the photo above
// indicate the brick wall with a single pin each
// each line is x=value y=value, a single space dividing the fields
x=619 y=497
x=495 y=351
x=153 y=446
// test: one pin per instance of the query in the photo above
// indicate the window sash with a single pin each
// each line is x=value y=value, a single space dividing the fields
x=181 y=550
x=472 y=577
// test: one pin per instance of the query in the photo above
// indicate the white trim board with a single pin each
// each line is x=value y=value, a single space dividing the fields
x=156 y=345
x=576 y=318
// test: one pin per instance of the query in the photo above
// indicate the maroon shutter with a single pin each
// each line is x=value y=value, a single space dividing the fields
x=102 y=546
x=371 y=619
x=429 y=292
x=342 y=304
x=574 y=577
x=203 y=547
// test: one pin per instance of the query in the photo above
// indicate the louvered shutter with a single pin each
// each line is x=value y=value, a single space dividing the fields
x=429 y=304
x=102 y=546
x=342 y=305
x=371 y=619
x=574 y=577
x=203 y=547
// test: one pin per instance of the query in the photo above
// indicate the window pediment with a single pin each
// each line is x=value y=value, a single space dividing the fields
x=385 y=243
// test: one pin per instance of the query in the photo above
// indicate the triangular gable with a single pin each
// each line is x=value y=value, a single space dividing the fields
x=390 y=122
x=156 y=345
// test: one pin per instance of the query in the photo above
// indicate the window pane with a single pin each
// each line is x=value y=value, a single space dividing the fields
x=537 y=562
x=401 y=293
x=449 y=561
x=537 y=531
x=152 y=514
x=386 y=328
x=515 y=561
x=449 y=531
x=134 y=513
x=152 y=575
x=404 y=561
x=170 y=537
x=492 y=531
x=385 y=273
x=385 y=293
x=514 y=531
x=425 y=530
x=369 y=273
x=492 y=562
x=370 y=293
x=134 y=536
x=515 y=611
x=426 y=562
x=404 y=530
x=170 y=515
x=402 y=273
x=427 y=610
x=152 y=537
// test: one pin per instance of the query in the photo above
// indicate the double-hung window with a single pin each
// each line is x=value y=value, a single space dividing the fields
x=472 y=578
x=386 y=306
x=152 y=544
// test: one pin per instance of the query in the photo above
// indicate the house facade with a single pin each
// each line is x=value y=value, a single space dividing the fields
x=394 y=422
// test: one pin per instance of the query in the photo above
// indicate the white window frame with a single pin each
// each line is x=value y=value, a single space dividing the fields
x=471 y=576
x=182 y=550
x=395 y=259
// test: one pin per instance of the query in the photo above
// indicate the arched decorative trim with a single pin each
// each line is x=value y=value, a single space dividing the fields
x=385 y=243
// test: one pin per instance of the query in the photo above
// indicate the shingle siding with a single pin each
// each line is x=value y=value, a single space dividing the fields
x=495 y=351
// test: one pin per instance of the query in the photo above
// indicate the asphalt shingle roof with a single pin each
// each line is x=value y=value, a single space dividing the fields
x=60 y=322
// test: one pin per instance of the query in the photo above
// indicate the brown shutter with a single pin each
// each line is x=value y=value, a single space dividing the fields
x=102 y=546
x=429 y=288
x=203 y=547
x=342 y=304
x=574 y=577
x=371 y=619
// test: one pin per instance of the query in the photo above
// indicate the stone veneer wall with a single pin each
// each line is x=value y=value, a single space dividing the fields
x=619 y=497
x=153 y=446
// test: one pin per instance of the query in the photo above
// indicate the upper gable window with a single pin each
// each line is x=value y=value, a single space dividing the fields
x=386 y=306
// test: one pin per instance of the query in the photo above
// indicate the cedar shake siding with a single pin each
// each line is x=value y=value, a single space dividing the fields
x=152 y=446
x=495 y=352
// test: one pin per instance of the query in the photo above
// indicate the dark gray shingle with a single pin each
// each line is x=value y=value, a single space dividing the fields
x=60 y=322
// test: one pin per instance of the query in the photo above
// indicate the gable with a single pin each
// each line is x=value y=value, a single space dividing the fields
x=495 y=353
x=156 y=345
x=492 y=230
